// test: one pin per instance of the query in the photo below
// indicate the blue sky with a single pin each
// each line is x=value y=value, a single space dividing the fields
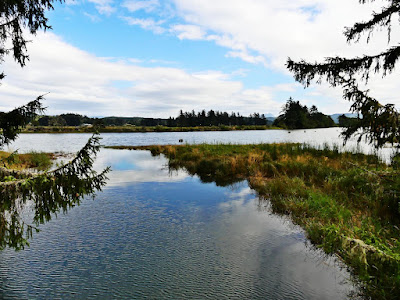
x=110 y=36
x=154 y=57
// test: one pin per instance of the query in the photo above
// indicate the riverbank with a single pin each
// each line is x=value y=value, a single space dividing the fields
x=347 y=203
x=127 y=129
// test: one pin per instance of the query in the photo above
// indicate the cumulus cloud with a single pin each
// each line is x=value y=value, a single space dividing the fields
x=276 y=29
x=263 y=32
x=83 y=83
x=269 y=31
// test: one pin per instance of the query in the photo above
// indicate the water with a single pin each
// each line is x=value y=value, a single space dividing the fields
x=73 y=142
x=156 y=235
x=152 y=234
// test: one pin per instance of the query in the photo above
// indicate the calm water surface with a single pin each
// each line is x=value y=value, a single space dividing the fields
x=152 y=234
x=73 y=142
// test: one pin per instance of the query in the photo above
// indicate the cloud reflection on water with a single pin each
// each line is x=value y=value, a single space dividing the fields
x=136 y=167
x=262 y=243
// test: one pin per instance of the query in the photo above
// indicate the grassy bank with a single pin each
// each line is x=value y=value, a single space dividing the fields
x=120 y=129
x=32 y=160
x=348 y=204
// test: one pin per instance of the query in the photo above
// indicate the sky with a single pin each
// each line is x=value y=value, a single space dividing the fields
x=152 y=58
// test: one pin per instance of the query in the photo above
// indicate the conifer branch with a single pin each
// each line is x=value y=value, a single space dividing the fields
x=384 y=18
x=378 y=124
x=334 y=67
x=12 y=122
x=50 y=192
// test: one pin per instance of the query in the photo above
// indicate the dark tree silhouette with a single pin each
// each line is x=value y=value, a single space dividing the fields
x=378 y=123
x=50 y=191
x=297 y=116
x=215 y=118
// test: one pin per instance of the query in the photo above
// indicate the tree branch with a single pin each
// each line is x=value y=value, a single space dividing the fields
x=382 y=19
x=11 y=122
x=335 y=66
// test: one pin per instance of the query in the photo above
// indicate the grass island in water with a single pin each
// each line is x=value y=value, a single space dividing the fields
x=32 y=160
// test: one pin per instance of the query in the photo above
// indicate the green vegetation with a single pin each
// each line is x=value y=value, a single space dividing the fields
x=185 y=119
x=216 y=118
x=348 y=203
x=297 y=116
x=32 y=160
x=118 y=129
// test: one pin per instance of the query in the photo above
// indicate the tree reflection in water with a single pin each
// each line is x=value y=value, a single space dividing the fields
x=47 y=194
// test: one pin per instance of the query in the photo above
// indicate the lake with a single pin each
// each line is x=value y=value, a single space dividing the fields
x=156 y=234
x=72 y=142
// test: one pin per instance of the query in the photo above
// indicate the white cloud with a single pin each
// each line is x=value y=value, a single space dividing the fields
x=244 y=55
x=147 y=24
x=263 y=32
x=188 y=32
x=104 y=7
x=134 y=5
x=83 y=83
x=92 y=18
x=260 y=31
x=71 y=2
x=276 y=29
x=135 y=60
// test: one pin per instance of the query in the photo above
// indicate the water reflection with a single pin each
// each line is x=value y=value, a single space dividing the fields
x=136 y=167
x=168 y=236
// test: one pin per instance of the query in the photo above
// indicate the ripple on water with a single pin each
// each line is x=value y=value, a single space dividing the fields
x=175 y=240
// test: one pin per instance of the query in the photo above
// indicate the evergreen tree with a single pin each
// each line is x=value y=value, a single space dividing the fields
x=203 y=118
x=378 y=123
x=211 y=118
x=50 y=191
x=181 y=119
x=297 y=116
x=72 y=119
x=294 y=116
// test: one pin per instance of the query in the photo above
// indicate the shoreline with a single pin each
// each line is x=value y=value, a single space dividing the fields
x=341 y=200
x=142 y=129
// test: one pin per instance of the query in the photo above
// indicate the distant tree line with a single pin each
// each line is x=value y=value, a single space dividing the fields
x=185 y=119
x=297 y=116
x=294 y=116
x=215 y=118
x=63 y=120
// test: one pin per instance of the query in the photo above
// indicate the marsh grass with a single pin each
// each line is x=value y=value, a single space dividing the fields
x=32 y=160
x=347 y=202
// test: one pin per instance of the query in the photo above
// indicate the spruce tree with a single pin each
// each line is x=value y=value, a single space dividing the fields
x=378 y=123
x=48 y=192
